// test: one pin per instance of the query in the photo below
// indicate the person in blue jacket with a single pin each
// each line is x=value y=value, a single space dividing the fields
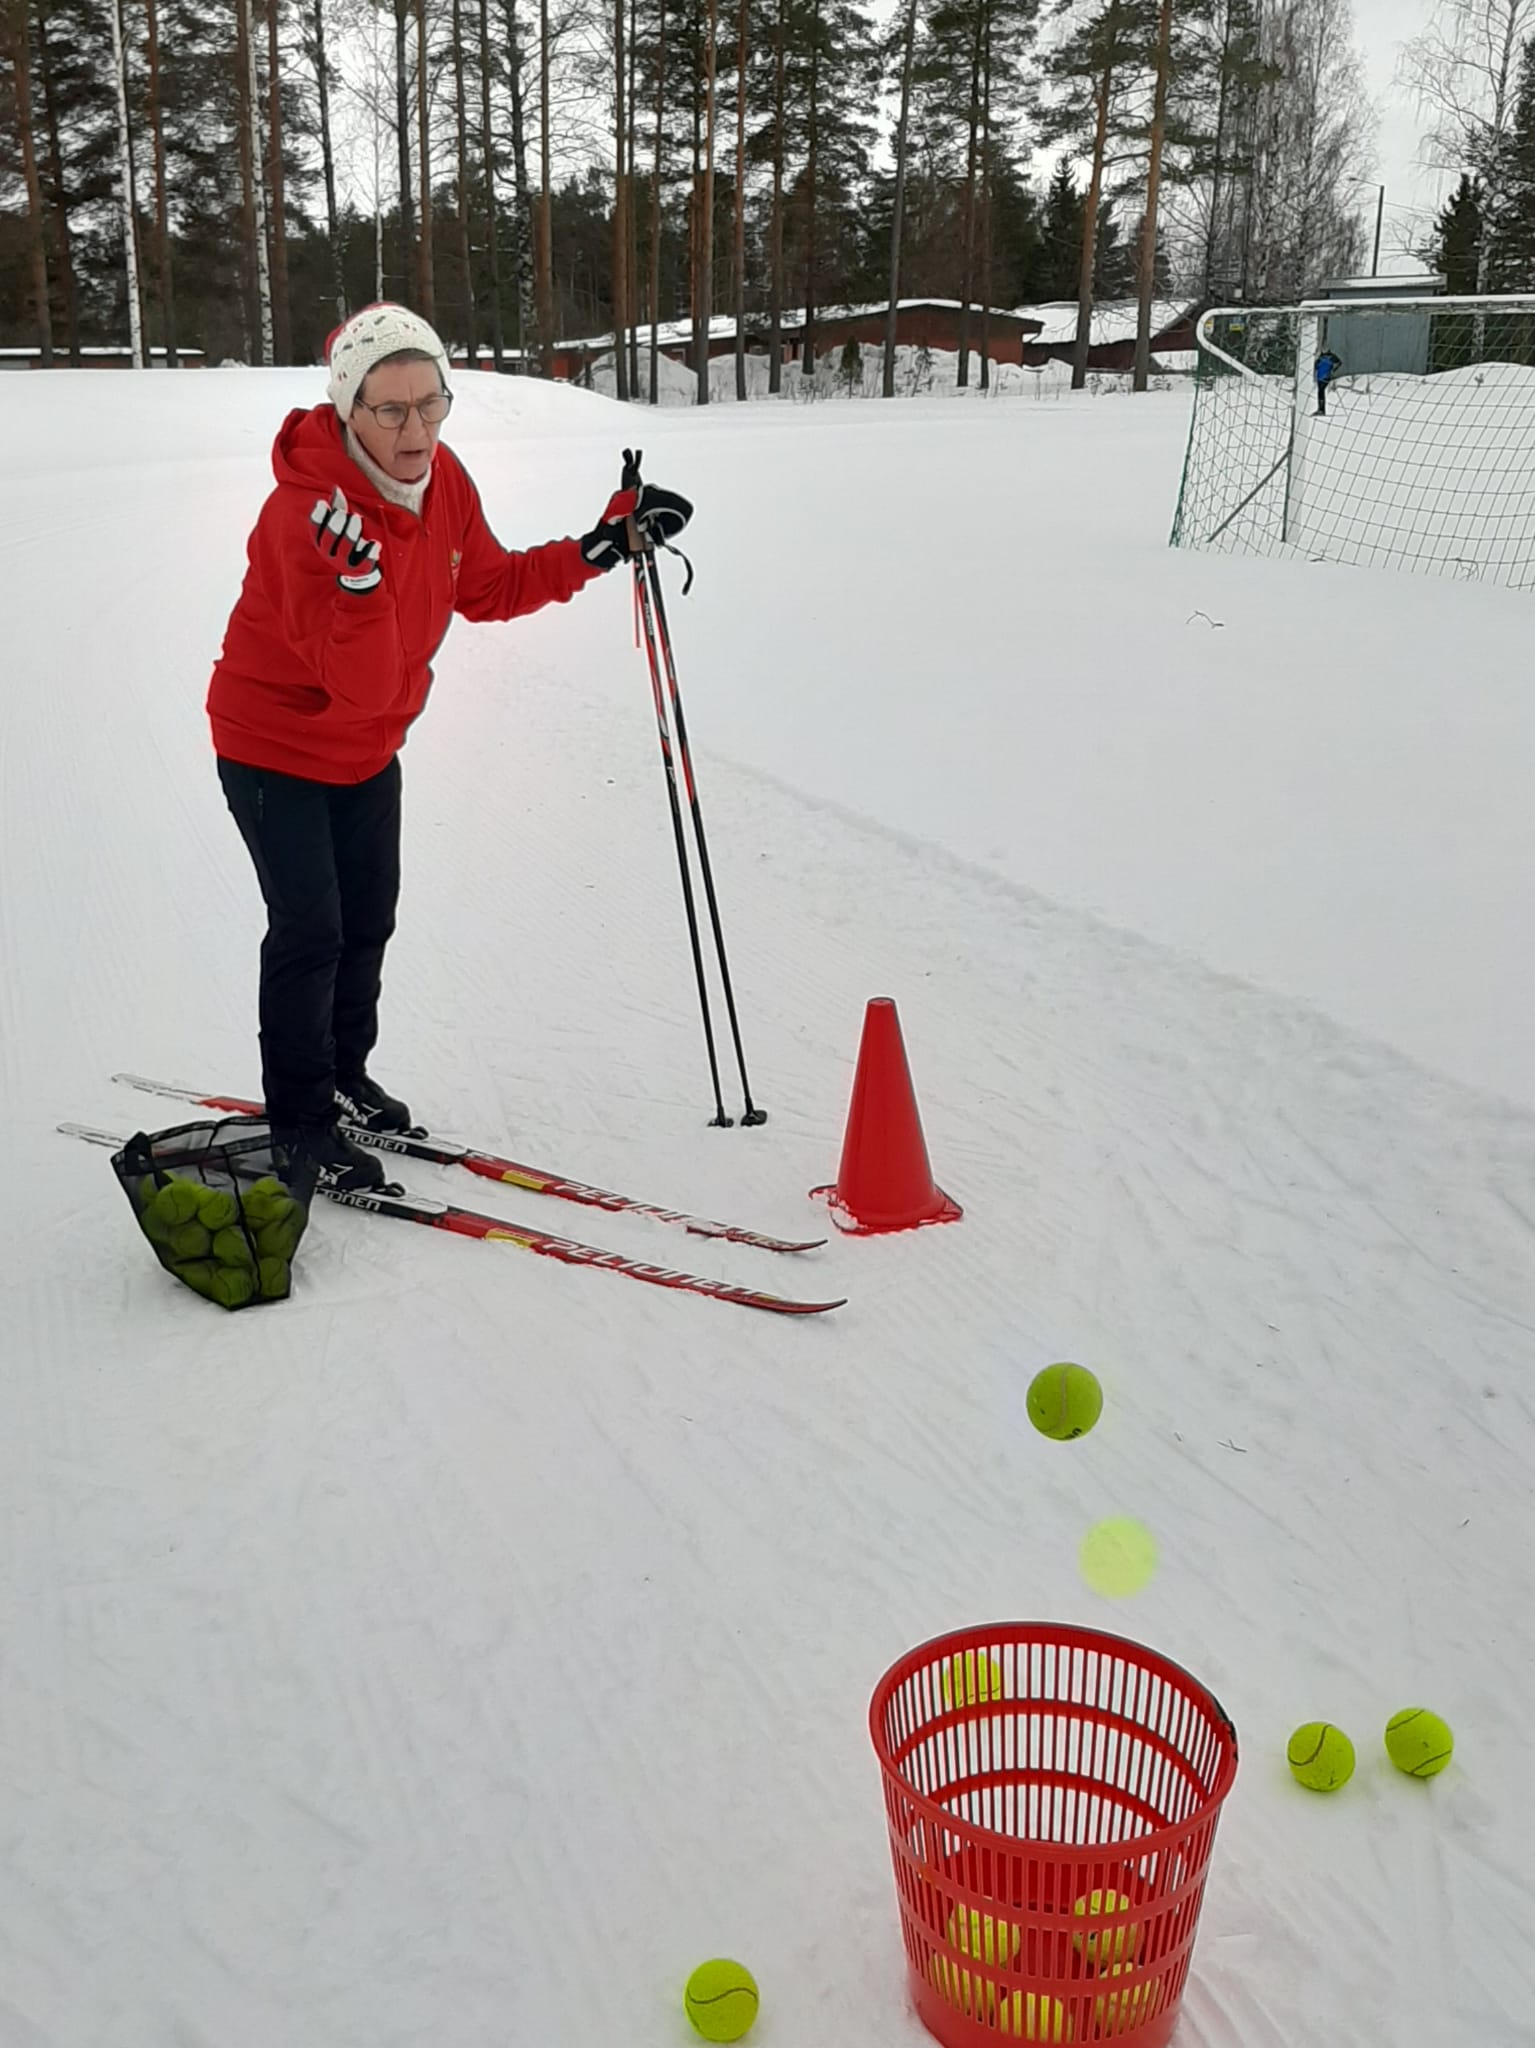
x=1327 y=367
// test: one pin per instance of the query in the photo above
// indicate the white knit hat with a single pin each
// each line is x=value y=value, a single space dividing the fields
x=364 y=340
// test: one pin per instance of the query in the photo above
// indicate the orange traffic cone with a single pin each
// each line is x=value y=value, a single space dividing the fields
x=885 y=1181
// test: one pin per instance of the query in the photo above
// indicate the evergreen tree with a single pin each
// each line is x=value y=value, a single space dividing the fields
x=1457 y=245
x=1506 y=176
x=1059 y=259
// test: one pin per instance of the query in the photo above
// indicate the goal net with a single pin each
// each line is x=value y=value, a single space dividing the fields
x=1423 y=459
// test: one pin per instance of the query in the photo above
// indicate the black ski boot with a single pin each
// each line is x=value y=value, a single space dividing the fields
x=322 y=1154
x=362 y=1101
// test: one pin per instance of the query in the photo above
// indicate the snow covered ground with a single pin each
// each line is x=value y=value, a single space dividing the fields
x=461 y=1652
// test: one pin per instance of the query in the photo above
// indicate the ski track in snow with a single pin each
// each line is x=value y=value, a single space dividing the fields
x=464 y=1650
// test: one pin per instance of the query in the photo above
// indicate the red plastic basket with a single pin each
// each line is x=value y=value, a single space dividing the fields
x=1026 y=1767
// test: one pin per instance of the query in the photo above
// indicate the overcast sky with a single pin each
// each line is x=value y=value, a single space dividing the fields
x=1380 y=29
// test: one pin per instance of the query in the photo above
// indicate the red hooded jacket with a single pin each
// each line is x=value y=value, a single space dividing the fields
x=322 y=681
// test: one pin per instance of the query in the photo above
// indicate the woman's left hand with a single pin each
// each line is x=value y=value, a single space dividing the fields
x=637 y=517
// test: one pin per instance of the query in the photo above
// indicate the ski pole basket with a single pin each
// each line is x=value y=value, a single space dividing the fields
x=1052 y=1795
x=211 y=1200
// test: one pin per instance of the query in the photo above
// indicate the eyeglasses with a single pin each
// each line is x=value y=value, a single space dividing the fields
x=433 y=411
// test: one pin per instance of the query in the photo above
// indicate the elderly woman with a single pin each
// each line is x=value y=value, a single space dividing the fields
x=372 y=539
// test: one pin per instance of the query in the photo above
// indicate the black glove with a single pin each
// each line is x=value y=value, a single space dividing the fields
x=658 y=517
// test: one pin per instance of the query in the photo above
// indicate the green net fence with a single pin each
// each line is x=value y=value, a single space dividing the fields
x=1422 y=458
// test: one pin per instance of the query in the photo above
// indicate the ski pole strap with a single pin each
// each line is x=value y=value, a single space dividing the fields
x=682 y=558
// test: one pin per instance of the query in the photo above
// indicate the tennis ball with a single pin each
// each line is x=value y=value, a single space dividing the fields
x=721 y=2000
x=146 y=1191
x=969 y=1677
x=273 y=1278
x=979 y=1935
x=232 y=1287
x=1107 y=1945
x=276 y=1241
x=1120 y=2012
x=189 y=1241
x=1321 y=1757
x=216 y=1208
x=1418 y=1742
x=954 y=1984
x=199 y=1276
x=1118 y=1557
x=176 y=1202
x=153 y=1224
x=261 y=1199
x=1030 y=2016
x=1064 y=1401
x=231 y=1247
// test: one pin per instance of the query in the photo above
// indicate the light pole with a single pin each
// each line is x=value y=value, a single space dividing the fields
x=1380 y=215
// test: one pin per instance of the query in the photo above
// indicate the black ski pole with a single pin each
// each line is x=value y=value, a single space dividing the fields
x=751 y=1114
x=638 y=555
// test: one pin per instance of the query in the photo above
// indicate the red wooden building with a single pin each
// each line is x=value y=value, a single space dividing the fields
x=933 y=323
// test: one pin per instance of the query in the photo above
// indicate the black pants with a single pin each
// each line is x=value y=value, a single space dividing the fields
x=328 y=861
x=1321 y=400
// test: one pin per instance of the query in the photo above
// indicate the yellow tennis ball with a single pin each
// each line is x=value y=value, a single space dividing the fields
x=201 y=1276
x=1321 y=1757
x=232 y=1248
x=1118 y=1557
x=273 y=1279
x=1418 y=1742
x=721 y=1999
x=979 y=1935
x=189 y=1240
x=1064 y=1401
x=232 y=1286
x=971 y=1678
x=1123 y=2010
x=176 y=1201
x=954 y=1984
x=1029 y=2016
x=1105 y=1945
x=276 y=1241
x=216 y=1209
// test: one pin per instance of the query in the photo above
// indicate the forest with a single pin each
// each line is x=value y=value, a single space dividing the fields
x=231 y=177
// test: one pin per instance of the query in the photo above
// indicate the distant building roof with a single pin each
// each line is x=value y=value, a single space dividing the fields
x=1417 y=284
x=1113 y=321
x=61 y=351
x=791 y=321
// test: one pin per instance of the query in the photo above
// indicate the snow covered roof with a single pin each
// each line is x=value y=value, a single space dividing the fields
x=722 y=327
x=1114 y=321
x=61 y=351
x=1404 y=284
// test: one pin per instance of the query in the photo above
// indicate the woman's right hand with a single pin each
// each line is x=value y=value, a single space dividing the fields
x=338 y=533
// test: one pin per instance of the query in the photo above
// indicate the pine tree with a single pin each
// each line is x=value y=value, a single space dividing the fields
x=1059 y=260
x=16 y=30
x=1506 y=174
x=1457 y=245
x=1095 y=72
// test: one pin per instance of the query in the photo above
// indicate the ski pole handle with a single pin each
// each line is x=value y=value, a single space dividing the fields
x=631 y=482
